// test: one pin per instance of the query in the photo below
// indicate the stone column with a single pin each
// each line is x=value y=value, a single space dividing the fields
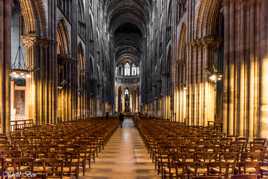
x=29 y=43
x=5 y=63
x=37 y=88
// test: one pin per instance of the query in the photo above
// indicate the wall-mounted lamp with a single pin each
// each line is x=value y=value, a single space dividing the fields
x=215 y=77
x=185 y=87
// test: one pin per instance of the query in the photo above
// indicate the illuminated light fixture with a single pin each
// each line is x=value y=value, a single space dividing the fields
x=219 y=77
x=184 y=87
x=28 y=76
x=19 y=68
x=213 y=77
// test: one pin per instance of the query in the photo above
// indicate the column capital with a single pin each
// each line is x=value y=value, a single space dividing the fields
x=196 y=43
x=211 y=41
x=30 y=40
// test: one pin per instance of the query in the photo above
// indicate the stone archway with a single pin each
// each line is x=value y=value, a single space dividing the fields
x=201 y=87
x=180 y=87
x=81 y=79
x=63 y=75
x=29 y=17
x=166 y=72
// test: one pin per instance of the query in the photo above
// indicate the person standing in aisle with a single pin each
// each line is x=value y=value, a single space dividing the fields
x=121 y=119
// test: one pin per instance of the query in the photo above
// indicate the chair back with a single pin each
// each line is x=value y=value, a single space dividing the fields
x=244 y=177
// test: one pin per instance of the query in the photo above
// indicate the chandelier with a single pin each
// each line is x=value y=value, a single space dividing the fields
x=19 y=67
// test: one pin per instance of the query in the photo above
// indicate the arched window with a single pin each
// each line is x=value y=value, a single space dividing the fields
x=134 y=70
x=119 y=70
x=138 y=70
x=127 y=69
x=126 y=92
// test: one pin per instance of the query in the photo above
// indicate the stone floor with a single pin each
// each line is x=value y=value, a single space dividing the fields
x=124 y=157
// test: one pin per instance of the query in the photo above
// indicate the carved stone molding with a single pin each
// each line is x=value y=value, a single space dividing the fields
x=210 y=41
x=196 y=43
x=29 y=41
x=207 y=41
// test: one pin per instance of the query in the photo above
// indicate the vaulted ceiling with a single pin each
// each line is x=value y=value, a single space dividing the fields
x=127 y=20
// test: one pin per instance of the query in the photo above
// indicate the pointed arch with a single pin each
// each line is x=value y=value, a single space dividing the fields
x=169 y=14
x=34 y=16
x=169 y=21
x=181 y=56
x=168 y=61
x=206 y=19
x=81 y=57
x=62 y=39
x=81 y=11
x=182 y=43
x=81 y=66
x=91 y=25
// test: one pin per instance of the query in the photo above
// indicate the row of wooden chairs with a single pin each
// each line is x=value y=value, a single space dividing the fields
x=181 y=151
x=65 y=149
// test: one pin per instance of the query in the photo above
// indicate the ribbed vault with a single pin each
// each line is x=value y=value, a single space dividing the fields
x=127 y=21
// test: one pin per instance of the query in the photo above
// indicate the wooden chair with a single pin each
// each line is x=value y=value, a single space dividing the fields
x=249 y=163
x=174 y=169
x=244 y=177
x=208 y=177
x=263 y=169
x=219 y=168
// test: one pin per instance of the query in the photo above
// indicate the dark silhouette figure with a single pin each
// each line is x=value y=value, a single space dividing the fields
x=121 y=119
x=107 y=115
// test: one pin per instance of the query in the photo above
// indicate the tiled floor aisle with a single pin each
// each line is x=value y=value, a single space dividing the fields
x=124 y=157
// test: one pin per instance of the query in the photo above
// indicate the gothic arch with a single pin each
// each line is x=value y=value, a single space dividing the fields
x=182 y=43
x=81 y=65
x=81 y=11
x=63 y=72
x=28 y=28
x=81 y=79
x=40 y=15
x=33 y=13
x=81 y=55
x=169 y=14
x=182 y=54
x=62 y=39
x=169 y=21
x=91 y=26
x=206 y=19
x=168 y=60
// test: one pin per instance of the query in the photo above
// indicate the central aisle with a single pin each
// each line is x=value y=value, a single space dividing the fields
x=124 y=157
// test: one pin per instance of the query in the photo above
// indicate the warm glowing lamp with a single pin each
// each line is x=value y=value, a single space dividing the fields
x=213 y=78
x=219 y=77
x=28 y=75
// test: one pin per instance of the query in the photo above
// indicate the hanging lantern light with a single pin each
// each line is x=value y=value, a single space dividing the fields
x=19 y=67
